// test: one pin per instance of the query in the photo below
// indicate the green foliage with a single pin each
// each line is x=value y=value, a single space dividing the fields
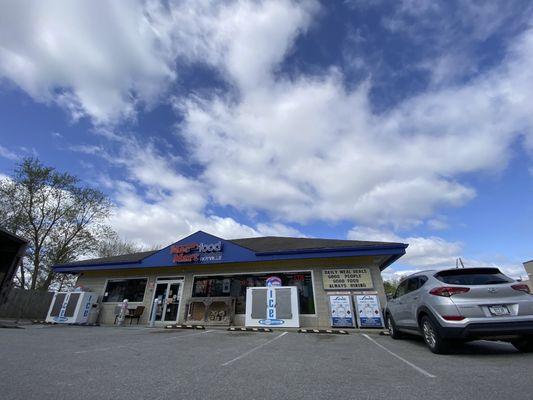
x=390 y=286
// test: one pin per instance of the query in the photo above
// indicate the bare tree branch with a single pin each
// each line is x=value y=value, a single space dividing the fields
x=61 y=219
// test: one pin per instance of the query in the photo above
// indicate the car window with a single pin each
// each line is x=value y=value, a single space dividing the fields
x=401 y=290
x=412 y=284
x=472 y=277
x=422 y=280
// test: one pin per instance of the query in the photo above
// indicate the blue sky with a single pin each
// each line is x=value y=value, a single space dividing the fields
x=402 y=120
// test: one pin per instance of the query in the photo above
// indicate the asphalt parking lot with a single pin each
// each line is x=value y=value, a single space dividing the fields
x=60 y=362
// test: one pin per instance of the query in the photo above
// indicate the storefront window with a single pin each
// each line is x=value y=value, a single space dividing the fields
x=120 y=289
x=235 y=286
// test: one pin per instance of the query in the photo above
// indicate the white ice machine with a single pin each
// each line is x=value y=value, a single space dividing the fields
x=71 y=307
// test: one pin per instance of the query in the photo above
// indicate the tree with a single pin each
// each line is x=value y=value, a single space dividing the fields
x=390 y=287
x=61 y=219
x=113 y=245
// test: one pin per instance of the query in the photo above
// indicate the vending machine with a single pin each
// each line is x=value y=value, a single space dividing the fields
x=272 y=306
x=71 y=307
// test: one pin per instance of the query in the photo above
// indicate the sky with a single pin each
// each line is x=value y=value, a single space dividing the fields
x=405 y=120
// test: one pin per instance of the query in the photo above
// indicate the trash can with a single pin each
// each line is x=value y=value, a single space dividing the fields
x=93 y=314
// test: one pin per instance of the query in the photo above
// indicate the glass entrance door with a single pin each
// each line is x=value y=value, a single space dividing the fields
x=169 y=294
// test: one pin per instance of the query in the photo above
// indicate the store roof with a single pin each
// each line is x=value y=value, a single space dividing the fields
x=124 y=258
x=12 y=248
x=279 y=244
x=5 y=235
x=259 y=245
x=268 y=248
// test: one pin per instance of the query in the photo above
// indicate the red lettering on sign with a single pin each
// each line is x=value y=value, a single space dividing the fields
x=181 y=253
x=180 y=258
x=183 y=249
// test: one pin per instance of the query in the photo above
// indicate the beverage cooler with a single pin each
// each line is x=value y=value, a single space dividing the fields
x=71 y=307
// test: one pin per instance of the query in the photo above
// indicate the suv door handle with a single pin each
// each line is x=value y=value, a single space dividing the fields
x=415 y=298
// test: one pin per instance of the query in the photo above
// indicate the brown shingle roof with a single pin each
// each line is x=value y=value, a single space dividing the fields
x=274 y=244
x=266 y=244
x=122 y=259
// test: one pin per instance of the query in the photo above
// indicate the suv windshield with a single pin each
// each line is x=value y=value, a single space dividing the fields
x=477 y=276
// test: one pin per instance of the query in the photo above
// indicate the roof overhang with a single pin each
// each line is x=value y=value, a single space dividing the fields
x=12 y=249
x=232 y=253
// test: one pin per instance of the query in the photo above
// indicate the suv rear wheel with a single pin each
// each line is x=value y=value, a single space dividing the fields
x=432 y=337
x=524 y=344
x=393 y=331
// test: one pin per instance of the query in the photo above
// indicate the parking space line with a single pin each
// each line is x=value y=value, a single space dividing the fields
x=422 y=371
x=100 y=349
x=252 y=350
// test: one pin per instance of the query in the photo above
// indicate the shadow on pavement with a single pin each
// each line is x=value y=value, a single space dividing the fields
x=474 y=348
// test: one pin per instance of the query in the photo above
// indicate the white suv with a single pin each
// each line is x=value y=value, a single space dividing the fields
x=462 y=304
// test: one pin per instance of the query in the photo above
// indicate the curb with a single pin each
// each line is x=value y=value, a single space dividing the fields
x=38 y=322
x=182 y=326
x=330 y=331
x=250 y=329
x=2 y=326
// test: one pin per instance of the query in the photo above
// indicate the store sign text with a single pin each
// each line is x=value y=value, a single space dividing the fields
x=196 y=252
x=347 y=278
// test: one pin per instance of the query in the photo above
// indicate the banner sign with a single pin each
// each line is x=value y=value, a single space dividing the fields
x=341 y=311
x=347 y=278
x=368 y=311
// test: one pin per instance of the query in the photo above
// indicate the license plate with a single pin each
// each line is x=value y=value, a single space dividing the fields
x=499 y=310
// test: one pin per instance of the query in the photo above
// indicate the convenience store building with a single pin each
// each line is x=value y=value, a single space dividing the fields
x=203 y=279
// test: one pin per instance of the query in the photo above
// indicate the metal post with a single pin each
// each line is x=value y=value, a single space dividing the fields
x=122 y=314
x=154 y=310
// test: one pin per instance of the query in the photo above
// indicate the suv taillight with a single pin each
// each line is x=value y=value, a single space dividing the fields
x=448 y=291
x=522 y=287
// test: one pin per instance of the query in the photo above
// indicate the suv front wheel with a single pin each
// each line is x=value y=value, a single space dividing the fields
x=432 y=337
x=393 y=331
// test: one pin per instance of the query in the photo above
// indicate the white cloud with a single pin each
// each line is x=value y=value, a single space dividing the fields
x=245 y=39
x=167 y=217
x=6 y=153
x=93 y=58
x=448 y=34
x=105 y=65
x=301 y=148
x=431 y=252
x=86 y=148
x=105 y=74
x=156 y=204
x=437 y=224
x=309 y=149
x=423 y=252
